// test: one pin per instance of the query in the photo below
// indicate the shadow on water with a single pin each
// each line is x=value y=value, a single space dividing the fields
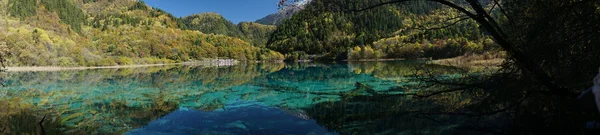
x=238 y=118
x=366 y=110
x=459 y=102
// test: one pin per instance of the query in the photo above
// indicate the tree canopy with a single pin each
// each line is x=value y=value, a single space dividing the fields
x=105 y=32
x=323 y=28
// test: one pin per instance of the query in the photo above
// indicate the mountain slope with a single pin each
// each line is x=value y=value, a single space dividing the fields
x=319 y=30
x=271 y=19
x=256 y=33
x=212 y=23
x=286 y=10
x=108 y=32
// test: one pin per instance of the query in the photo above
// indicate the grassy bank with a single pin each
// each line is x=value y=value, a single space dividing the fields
x=489 y=59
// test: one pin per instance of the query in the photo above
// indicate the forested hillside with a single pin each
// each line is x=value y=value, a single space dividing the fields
x=326 y=27
x=271 y=19
x=256 y=33
x=213 y=23
x=108 y=32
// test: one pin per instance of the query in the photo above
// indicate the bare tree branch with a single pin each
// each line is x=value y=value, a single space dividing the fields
x=487 y=22
x=42 y=126
x=492 y=9
x=512 y=22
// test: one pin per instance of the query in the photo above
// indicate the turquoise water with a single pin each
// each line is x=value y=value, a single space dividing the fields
x=263 y=98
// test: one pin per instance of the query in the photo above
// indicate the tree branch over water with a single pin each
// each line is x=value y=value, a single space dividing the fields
x=486 y=21
x=41 y=125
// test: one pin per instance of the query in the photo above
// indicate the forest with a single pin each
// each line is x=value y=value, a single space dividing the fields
x=549 y=52
x=391 y=31
x=107 y=32
x=551 y=58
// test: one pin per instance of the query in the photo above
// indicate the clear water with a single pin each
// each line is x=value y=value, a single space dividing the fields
x=263 y=98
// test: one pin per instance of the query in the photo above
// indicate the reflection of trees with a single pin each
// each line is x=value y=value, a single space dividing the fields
x=108 y=101
x=393 y=70
x=408 y=113
x=314 y=72
x=365 y=110
x=433 y=100
x=449 y=100
x=24 y=118
x=21 y=117
x=549 y=44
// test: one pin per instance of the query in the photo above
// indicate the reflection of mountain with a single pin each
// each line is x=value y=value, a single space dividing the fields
x=118 y=100
x=238 y=118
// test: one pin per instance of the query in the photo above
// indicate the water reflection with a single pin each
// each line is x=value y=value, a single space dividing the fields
x=263 y=98
x=237 y=118
x=116 y=100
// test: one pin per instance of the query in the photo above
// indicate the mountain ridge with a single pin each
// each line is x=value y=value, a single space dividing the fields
x=214 y=23
x=111 y=33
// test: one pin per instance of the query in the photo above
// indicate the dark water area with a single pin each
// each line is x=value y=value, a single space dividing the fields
x=262 y=98
x=239 y=118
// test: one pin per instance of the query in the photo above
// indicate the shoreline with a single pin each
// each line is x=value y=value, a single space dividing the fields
x=456 y=61
x=481 y=60
x=57 y=68
x=223 y=62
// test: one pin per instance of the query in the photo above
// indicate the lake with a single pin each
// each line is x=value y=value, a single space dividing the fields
x=258 y=98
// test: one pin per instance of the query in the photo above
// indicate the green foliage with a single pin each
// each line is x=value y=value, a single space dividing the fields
x=123 y=36
x=124 y=61
x=315 y=30
x=320 y=30
x=22 y=8
x=295 y=56
x=403 y=47
x=270 y=55
x=106 y=62
x=66 y=62
x=139 y=5
x=89 y=1
x=256 y=33
x=365 y=52
x=212 y=23
x=67 y=11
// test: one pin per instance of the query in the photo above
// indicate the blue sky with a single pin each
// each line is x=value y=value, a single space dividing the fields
x=233 y=10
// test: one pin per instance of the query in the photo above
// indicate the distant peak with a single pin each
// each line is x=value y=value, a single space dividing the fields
x=287 y=8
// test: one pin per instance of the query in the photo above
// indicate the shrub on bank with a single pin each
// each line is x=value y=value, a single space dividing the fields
x=401 y=47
